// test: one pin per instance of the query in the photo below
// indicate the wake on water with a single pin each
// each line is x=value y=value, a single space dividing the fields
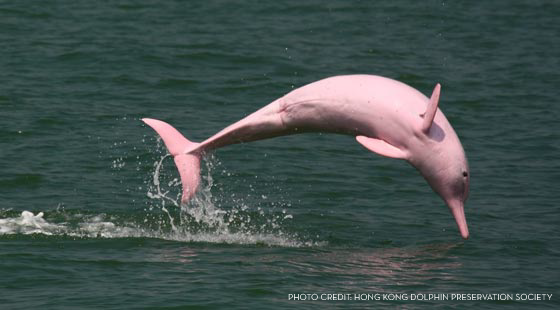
x=199 y=221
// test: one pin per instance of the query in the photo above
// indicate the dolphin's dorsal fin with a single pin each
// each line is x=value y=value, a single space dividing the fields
x=431 y=109
x=381 y=147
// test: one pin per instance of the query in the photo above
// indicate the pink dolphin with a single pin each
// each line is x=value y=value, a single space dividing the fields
x=386 y=116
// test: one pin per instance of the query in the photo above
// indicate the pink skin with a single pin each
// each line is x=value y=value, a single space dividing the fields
x=386 y=116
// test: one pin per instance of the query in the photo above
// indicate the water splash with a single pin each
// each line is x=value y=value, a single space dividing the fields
x=216 y=218
x=207 y=218
x=162 y=196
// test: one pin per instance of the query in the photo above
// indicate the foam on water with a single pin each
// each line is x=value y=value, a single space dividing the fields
x=202 y=220
x=99 y=227
x=28 y=223
x=78 y=226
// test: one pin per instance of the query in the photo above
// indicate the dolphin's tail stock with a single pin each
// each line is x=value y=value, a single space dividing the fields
x=187 y=164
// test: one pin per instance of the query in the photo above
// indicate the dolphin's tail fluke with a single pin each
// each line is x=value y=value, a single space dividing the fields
x=188 y=164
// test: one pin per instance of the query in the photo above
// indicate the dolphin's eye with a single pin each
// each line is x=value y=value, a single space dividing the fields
x=465 y=174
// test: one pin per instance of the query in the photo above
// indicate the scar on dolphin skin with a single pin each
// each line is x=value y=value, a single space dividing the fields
x=385 y=116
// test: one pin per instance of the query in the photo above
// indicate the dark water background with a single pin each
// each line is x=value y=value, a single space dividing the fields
x=300 y=214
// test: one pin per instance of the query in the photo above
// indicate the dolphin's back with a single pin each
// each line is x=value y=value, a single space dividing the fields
x=352 y=104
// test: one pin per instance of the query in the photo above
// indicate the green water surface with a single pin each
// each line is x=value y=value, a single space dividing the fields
x=303 y=214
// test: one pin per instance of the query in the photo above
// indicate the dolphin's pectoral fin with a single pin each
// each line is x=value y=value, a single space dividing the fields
x=381 y=147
